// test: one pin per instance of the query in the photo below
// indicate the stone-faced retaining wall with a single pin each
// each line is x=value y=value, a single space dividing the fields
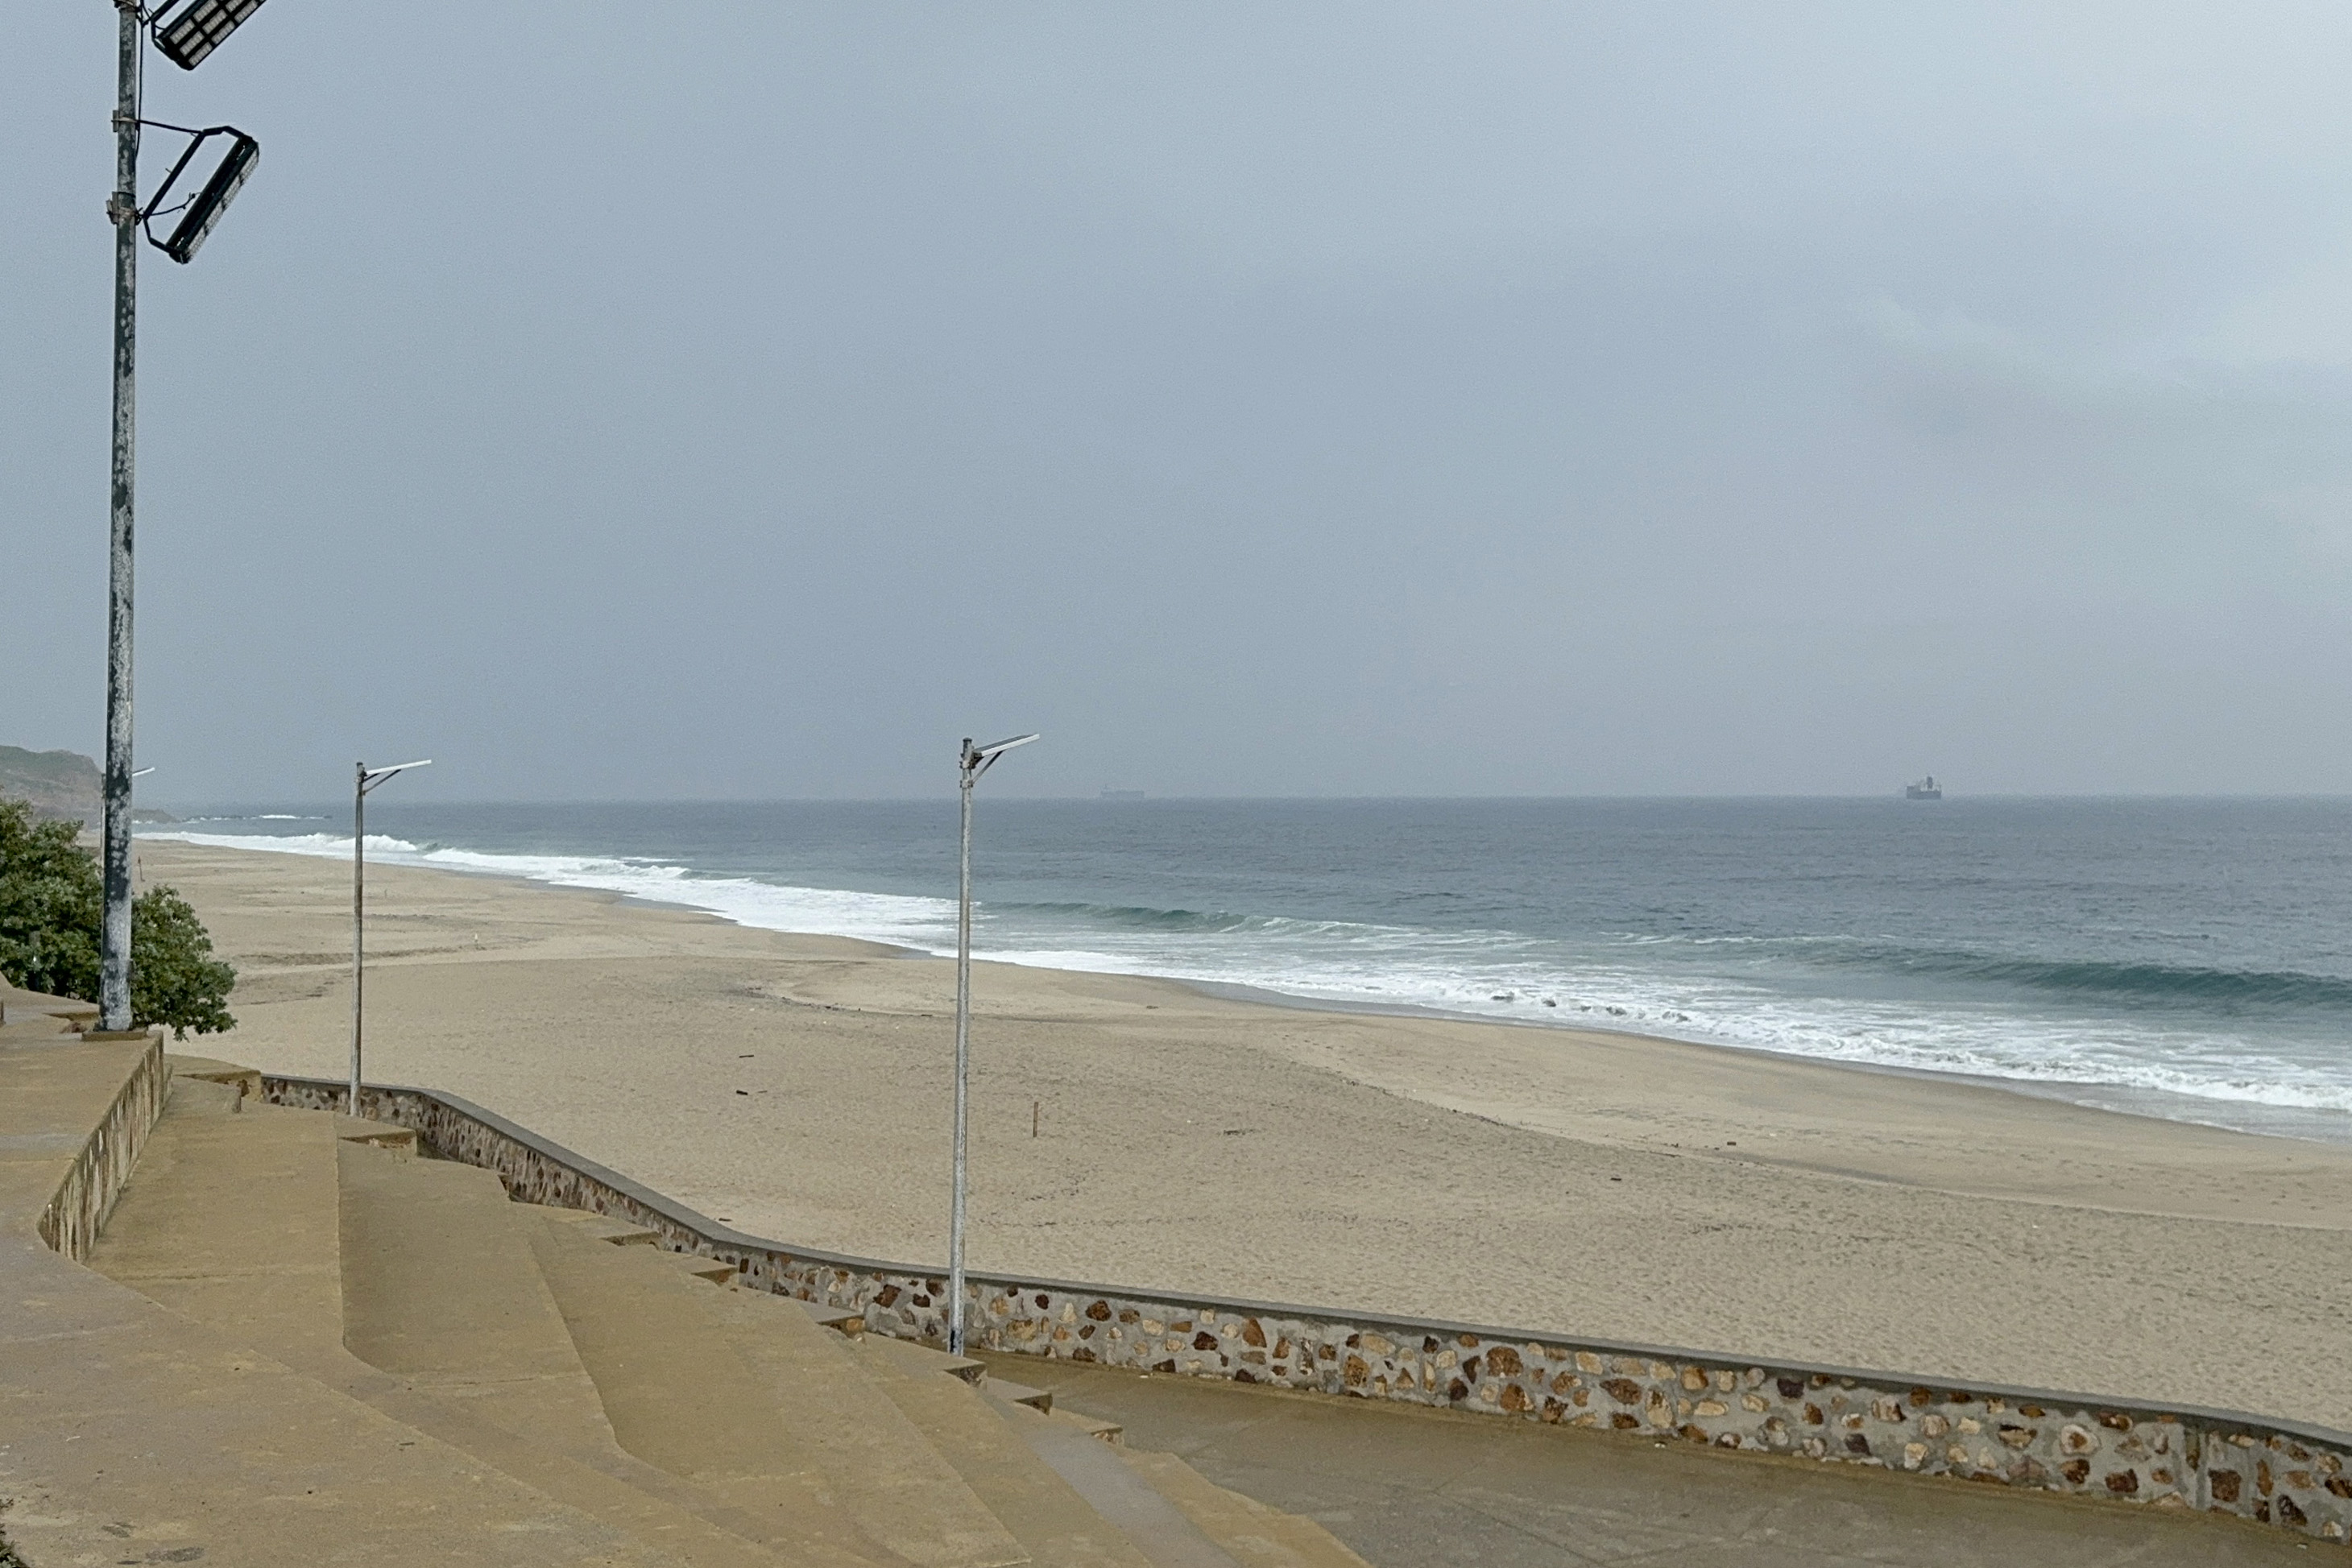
x=70 y=1222
x=2274 y=1472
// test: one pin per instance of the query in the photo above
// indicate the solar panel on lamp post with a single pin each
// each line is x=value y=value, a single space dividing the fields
x=185 y=31
x=369 y=777
x=973 y=761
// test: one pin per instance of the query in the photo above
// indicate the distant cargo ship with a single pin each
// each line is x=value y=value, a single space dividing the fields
x=1926 y=789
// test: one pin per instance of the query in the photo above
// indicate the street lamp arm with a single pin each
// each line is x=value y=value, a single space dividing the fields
x=371 y=777
x=979 y=759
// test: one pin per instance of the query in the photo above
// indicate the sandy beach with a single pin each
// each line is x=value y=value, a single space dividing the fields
x=1584 y=1183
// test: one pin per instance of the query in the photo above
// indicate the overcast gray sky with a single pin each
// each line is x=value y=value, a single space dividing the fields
x=751 y=399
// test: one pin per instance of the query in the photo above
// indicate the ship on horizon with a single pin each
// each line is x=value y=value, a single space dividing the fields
x=1926 y=789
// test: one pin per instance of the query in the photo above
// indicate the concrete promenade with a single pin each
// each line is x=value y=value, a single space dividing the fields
x=296 y=1342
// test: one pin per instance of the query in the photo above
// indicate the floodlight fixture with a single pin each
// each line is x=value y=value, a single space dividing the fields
x=200 y=213
x=186 y=31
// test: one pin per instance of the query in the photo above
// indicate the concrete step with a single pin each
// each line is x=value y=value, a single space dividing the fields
x=878 y=1462
x=1056 y=1525
x=158 y=1415
x=440 y=1287
x=232 y=1219
x=376 y=1134
x=1094 y=1426
x=36 y=1015
x=620 y=1232
x=710 y=1270
x=245 y=1081
x=941 y=1362
x=920 y=1357
x=199 y=1097
x=679 y=1397
x=1162 y=1531
x=1252 y=1533
x=473 y=1367
x=840 y=1320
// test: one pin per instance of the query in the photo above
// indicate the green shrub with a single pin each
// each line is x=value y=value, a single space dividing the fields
x=52 y=903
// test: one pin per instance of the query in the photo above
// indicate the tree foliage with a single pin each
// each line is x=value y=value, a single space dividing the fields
x=52 y=902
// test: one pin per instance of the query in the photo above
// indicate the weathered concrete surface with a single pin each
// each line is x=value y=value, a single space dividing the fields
x=238 y=1219
x=230 y=1219
x=440 y=1288
x=2274 y=1472
x=1410 y=1488
x=530 y=1394
x=680 y=1398
x=1037 y=1505
x=131 y=1432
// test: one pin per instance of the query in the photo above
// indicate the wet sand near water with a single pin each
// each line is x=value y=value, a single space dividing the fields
x=1548 y=1179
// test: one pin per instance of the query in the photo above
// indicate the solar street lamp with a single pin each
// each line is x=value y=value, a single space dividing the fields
x=184 y=32
x=369 y=777
x=974 y=761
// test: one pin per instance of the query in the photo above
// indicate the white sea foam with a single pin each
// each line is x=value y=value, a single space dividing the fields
x=1472 y=973
x=924 y=922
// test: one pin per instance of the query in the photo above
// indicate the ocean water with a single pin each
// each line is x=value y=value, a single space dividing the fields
x=2189 y=958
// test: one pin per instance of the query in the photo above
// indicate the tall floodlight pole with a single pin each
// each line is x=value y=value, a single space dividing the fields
x=114 y=932
x=974 y=761
x=185 y=31
x=369 y=777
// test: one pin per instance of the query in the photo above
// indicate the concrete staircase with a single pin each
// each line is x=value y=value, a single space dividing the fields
x=482 y=1380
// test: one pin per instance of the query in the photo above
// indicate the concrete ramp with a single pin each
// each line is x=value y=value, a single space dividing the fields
x=231 y=1218
x=135 y=1432
x=440 y=1286
x=680 y=1398
x=302 y=1340
x=1047 y=1515
x=879 y=1463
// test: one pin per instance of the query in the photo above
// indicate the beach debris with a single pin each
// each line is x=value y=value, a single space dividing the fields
x=1549 y=1003
x=1504 y=996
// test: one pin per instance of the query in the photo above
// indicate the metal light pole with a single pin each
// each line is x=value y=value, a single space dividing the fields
x=973 y=761
x=114 y=932
x=186 y=31
x=368 y=778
